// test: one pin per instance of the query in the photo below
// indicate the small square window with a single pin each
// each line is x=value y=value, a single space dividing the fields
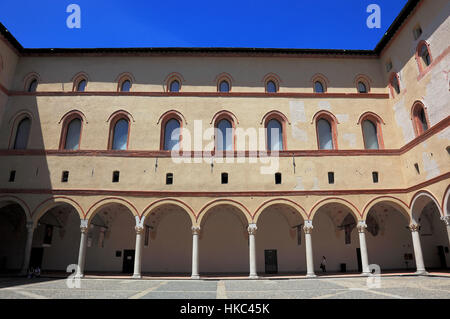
x=330 y=177
x=116 y=175
x=417 y=32
x=416 y=166
x=224 y=178
x=65 y=177
x=12 y=176
x=169 y=179
x=375 y=177
x=277 y=178
x=388 y=66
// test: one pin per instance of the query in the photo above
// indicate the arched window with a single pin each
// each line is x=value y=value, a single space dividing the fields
x=420 y=119
x=325 y=134
x=224 y=133
x=22 y=134
x=395 y=83
x=370 y=135
x=81 y=86
x=174 y=86
x=73 y=133
x=318 y=87
x=271 y=87
x=224 y=86
x=172 y=135
x=33 y=85
x=274 y=135
x=425 y=55
x=125 y=86
x=120 y=135
x=362 y=88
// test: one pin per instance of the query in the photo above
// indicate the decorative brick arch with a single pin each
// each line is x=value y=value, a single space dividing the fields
x=224 y=77
x=218 y=202
x=282 y=201
x=400 y=205
x=229 y=116
x=332 y=120
x=274 y=78
x=391 y=87
x=66 y=120
x=364 y=79
x=414 y=204
x=15 y=120
x=122 y=77
x=280 y=117
x=113 y=119
x=377 y=121
x=335 y=200
x=52 y=202
x=166 y=117
x=96 y=207
x=16 y=200
x=417 y=125
x=420 y=63
x=172 y=77
x=30 y=77
x=319 y=77
x=77 y=78
x=169 y=201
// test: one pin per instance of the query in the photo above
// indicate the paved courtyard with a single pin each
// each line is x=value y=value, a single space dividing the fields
x=398 y=287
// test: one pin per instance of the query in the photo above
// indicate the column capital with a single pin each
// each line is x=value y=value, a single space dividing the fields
x=252 y=229
x=446 y=220
x=195 y=230
x=30 y=226
x=84 y=225
x=361 y=226
x=414 y=227
x=139 y=229
x=308 y=227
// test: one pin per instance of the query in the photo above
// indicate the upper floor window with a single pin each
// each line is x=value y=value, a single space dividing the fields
x=420 y=118
x=318 y=87
x=120 y=137
x=274 y=135
x=33 y=85
x=370 y=135
x=423 y=56
x=325 y=135
x=174 y=86
x=172 y=135
x=22 y=134
x=224 y=86
x=362 y=88
x=417 y=32
x=73 y=134
x=81 y=86
x=394 y=82
x=125 y=86
x=271 y=87
x=388 y=66
x=271 y=82
x=224 y=133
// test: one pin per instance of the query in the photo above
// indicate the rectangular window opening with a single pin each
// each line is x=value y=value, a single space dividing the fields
x=375 y=177
x=116 y=176
x=224 y=178
x=277 y=178
x=12 y=176
x=330 y=177
x=416 y=166
x=169 y=179
x=417 y=32
x=65 y=177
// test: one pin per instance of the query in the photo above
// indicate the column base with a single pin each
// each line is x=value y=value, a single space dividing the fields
x=366 y=274
x=253 y=277
x=421 y=273
x=195 y=277
x=79 y=276
x=311 y=275
x=136 y=276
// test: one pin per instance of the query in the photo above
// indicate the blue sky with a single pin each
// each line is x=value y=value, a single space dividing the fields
x=324 y=24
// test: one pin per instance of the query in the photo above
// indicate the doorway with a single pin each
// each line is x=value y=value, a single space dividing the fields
x=358 y=256
x=271 y=261
x=441 y=253
x=128 y=261
x=37 y=253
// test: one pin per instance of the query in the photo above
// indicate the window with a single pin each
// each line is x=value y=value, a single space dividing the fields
x=169 y=179
x=277 y=178
x=81 y=86
x=33 y=85
x=362 y=88
x=126 y=86
x=420 y=120
x=274 y=136
x=325 y=135
x=22 y=134
x=330 y=177
x=271 y=87
x=115 y=177
x=425 y=55
x=73 y=133
x=318 y=87
x=12 y=176
x=172 y=135
x=174 y=86
x=224 y=177
x=224 y=87
x=375 y=177
x=224 y=136
x=388 y=66
x=416 y=166
x=65 y=177
x=370 y=135
x=417 y=32
x=395 y=83
x=120 y=135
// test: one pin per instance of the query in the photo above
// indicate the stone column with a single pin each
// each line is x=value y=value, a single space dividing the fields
x=308 y=227
x=417 y=249
x=138 y=252
x=28 y=246
x=251 y=237
x=446 y=220
x=82 y=252
x=363 y=247
x=195 y=234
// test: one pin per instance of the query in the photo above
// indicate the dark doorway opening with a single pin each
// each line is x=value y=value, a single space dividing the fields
x=128 y=261
x=271 y=261
x=358 y=256
x=37 y=253
x=441 y=252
